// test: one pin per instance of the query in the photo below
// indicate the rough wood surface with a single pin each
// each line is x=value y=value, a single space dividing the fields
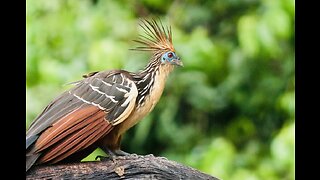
x=126 y=167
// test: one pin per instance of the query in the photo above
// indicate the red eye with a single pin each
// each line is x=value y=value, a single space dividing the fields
x=170 y=55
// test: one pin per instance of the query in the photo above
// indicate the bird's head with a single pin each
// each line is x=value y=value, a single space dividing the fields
x=172 y=58
x=158 y=39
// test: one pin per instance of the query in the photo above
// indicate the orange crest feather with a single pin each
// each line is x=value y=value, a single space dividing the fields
x=157 y=38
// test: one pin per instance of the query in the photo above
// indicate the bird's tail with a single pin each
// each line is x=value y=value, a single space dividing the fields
x=31 y=159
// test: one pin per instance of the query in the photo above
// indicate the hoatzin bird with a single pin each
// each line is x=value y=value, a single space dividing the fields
x=102 y=106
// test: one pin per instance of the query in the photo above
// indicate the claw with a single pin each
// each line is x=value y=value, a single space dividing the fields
x=119 y=152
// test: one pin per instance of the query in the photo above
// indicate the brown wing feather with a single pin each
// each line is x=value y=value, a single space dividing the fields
x=84 y=127
x=64 y=126
x=84 y=142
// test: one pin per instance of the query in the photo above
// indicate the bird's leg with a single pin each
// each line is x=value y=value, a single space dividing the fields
x=111 y=154
x=111 y=146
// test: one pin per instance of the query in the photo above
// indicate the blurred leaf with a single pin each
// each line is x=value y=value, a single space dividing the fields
x=218 y=158
x=282 y=150
x=248 y=35
x=287 y=103
x=241 y=130
x=94 y=154
x=243 y=174
x=106 y=54
x=278 y=21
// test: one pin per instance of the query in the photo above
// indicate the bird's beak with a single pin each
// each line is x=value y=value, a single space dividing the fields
x=177 y=62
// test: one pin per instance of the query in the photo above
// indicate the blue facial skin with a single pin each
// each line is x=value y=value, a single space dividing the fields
x=172 y=58
x=168 y=56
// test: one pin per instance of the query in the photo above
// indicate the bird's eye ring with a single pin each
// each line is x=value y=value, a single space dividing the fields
x=170 y=55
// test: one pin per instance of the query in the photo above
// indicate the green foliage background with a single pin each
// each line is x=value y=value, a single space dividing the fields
x=229 y=112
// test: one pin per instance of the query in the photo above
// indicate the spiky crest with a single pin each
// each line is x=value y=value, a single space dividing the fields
x=156 y=38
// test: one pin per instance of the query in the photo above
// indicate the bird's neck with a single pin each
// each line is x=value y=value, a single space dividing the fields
x=153 y=75
x=150 y=83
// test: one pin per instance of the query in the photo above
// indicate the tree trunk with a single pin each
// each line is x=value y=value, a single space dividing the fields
x=125 y=167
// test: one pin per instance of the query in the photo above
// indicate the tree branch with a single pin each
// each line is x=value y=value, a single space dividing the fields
x=126 y=167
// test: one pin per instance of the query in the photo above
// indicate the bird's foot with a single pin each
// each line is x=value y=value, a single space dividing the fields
x=113 y=155
x=119 y=152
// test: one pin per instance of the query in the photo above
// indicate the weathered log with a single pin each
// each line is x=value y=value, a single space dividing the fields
x=125 y=167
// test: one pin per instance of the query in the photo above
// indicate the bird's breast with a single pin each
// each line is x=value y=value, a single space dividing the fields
x=149 y=103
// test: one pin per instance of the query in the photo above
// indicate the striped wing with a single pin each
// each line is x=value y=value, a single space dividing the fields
x=80 y=116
